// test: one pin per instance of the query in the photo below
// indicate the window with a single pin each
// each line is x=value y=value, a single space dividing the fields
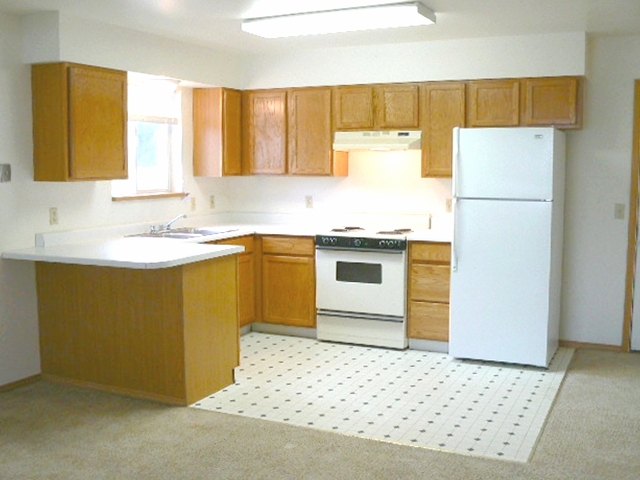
x=154 y=138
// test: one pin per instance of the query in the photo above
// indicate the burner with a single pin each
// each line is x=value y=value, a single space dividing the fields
x=346 y=229
x=397 y=231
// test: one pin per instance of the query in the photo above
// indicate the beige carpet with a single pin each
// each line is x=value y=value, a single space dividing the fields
x=52 y=431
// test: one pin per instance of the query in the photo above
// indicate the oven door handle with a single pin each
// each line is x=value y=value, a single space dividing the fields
x=359 y=315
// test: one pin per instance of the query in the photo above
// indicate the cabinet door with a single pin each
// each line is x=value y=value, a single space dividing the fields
x=288 y=290
x=397 y=106
x=79 y=122
x=309 y=131
x=246 y=278
x=493 y=103
x=265 y=130
x=216 y=132
x=353 y=107
x=551 y=101
x=442 y=109
x=97 y=123
x=429 y=321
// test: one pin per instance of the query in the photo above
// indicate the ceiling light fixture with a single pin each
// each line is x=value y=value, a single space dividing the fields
x=407 y=14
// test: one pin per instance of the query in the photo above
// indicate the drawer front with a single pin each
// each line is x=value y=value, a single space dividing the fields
x=430 y=283
x=246 y=242
x=431 y=252
x=429 y=321
x=283 y=245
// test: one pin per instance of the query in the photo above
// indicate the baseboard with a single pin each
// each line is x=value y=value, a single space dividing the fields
x=20 y=383
x=283 y=330
x=594 y=346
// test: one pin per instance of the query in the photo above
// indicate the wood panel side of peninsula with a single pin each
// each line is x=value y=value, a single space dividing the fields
x=166 y=334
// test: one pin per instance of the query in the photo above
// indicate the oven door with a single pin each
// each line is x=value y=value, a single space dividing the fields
x=368 y=282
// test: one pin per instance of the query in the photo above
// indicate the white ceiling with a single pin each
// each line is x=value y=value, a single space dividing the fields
x=216 y=23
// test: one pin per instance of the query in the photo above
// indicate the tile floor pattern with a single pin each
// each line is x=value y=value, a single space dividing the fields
x=410 y=397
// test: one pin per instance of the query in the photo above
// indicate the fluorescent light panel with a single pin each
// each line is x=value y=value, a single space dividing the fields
x=393 y=15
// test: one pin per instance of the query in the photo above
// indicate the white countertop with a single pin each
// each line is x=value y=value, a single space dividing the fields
x=111 y=247
x=137 y=252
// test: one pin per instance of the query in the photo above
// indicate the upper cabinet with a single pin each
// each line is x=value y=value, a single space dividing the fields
x=290 y=132
x=397 y=106
x=79 y=122
x=443 y=107
x=376 y=107
x=552 y=101
x=493 y=103
x=353 y=107
x=264 y=116
x=217 y=132
x=309 y=134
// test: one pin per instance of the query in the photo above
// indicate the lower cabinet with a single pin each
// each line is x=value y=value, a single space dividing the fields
x=246 y=279
x=429 y=276
x=288 y=281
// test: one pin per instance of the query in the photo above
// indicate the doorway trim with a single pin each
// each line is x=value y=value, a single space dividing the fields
x=633 y=223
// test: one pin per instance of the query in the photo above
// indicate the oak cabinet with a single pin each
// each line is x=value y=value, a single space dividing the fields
x=397 y=106
x=310 y=136
x=353 y=107
x=376 y=107
x=493 y=103
x=79 y=122
x=552 y=101
x=264 y=117
x=288 y=281
x=442 y=105
x=217 y=132
x=246 y=278
x=429 y=277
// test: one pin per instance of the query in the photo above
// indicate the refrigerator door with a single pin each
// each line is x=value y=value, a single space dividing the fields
x=514 y=163
x=500 y=294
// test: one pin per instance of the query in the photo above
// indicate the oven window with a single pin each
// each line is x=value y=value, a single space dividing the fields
x=359 y=272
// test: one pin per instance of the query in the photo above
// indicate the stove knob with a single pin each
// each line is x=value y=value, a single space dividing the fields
x=357 y=242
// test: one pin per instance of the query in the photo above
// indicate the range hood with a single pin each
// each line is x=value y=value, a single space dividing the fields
x=377 y=140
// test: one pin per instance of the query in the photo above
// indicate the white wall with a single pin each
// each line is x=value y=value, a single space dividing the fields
x=503 y=57
x=598 y=176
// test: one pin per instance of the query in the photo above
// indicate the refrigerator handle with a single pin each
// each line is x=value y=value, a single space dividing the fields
x=455 y=159
x=454 y=253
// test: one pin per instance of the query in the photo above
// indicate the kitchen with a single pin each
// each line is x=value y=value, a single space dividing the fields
x=597 y=179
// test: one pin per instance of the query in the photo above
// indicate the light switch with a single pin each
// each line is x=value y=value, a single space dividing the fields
x=618 y=212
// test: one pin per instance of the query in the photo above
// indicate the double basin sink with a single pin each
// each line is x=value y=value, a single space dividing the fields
x=186 y=232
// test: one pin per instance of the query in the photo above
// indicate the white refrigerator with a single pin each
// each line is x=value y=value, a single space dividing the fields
x=506 y=265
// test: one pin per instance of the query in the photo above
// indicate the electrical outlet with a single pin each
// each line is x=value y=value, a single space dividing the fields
x=308 y=201
x=53 y=216
x=5 y=172
x=193 y=203
x=618 y=211
x=212 y=202
x=448 y=205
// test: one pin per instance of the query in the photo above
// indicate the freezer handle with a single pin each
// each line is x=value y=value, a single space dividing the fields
x=455 y=160
x=454 y=251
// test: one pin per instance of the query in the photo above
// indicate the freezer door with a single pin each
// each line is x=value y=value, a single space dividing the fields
x=500 y=288
x=514 y=163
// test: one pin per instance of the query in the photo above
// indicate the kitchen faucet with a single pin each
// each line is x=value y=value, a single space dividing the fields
x=167 y=226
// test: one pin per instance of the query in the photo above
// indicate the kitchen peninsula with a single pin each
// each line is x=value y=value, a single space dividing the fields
x=151 y=318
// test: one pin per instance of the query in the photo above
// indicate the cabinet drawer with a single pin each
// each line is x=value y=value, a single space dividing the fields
x=429 y=321
x=430 y=283
x=431 y=252
x=246 y=242
x=288 y=245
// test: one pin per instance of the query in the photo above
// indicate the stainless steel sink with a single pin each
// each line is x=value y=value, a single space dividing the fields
x=186 y=232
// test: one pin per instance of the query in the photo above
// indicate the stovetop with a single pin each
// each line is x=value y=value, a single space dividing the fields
x=359 y=238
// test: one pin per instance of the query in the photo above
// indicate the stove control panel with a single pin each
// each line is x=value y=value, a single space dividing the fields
x=360 y=243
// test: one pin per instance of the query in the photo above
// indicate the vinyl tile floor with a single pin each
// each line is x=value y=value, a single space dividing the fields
x=411 y=397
